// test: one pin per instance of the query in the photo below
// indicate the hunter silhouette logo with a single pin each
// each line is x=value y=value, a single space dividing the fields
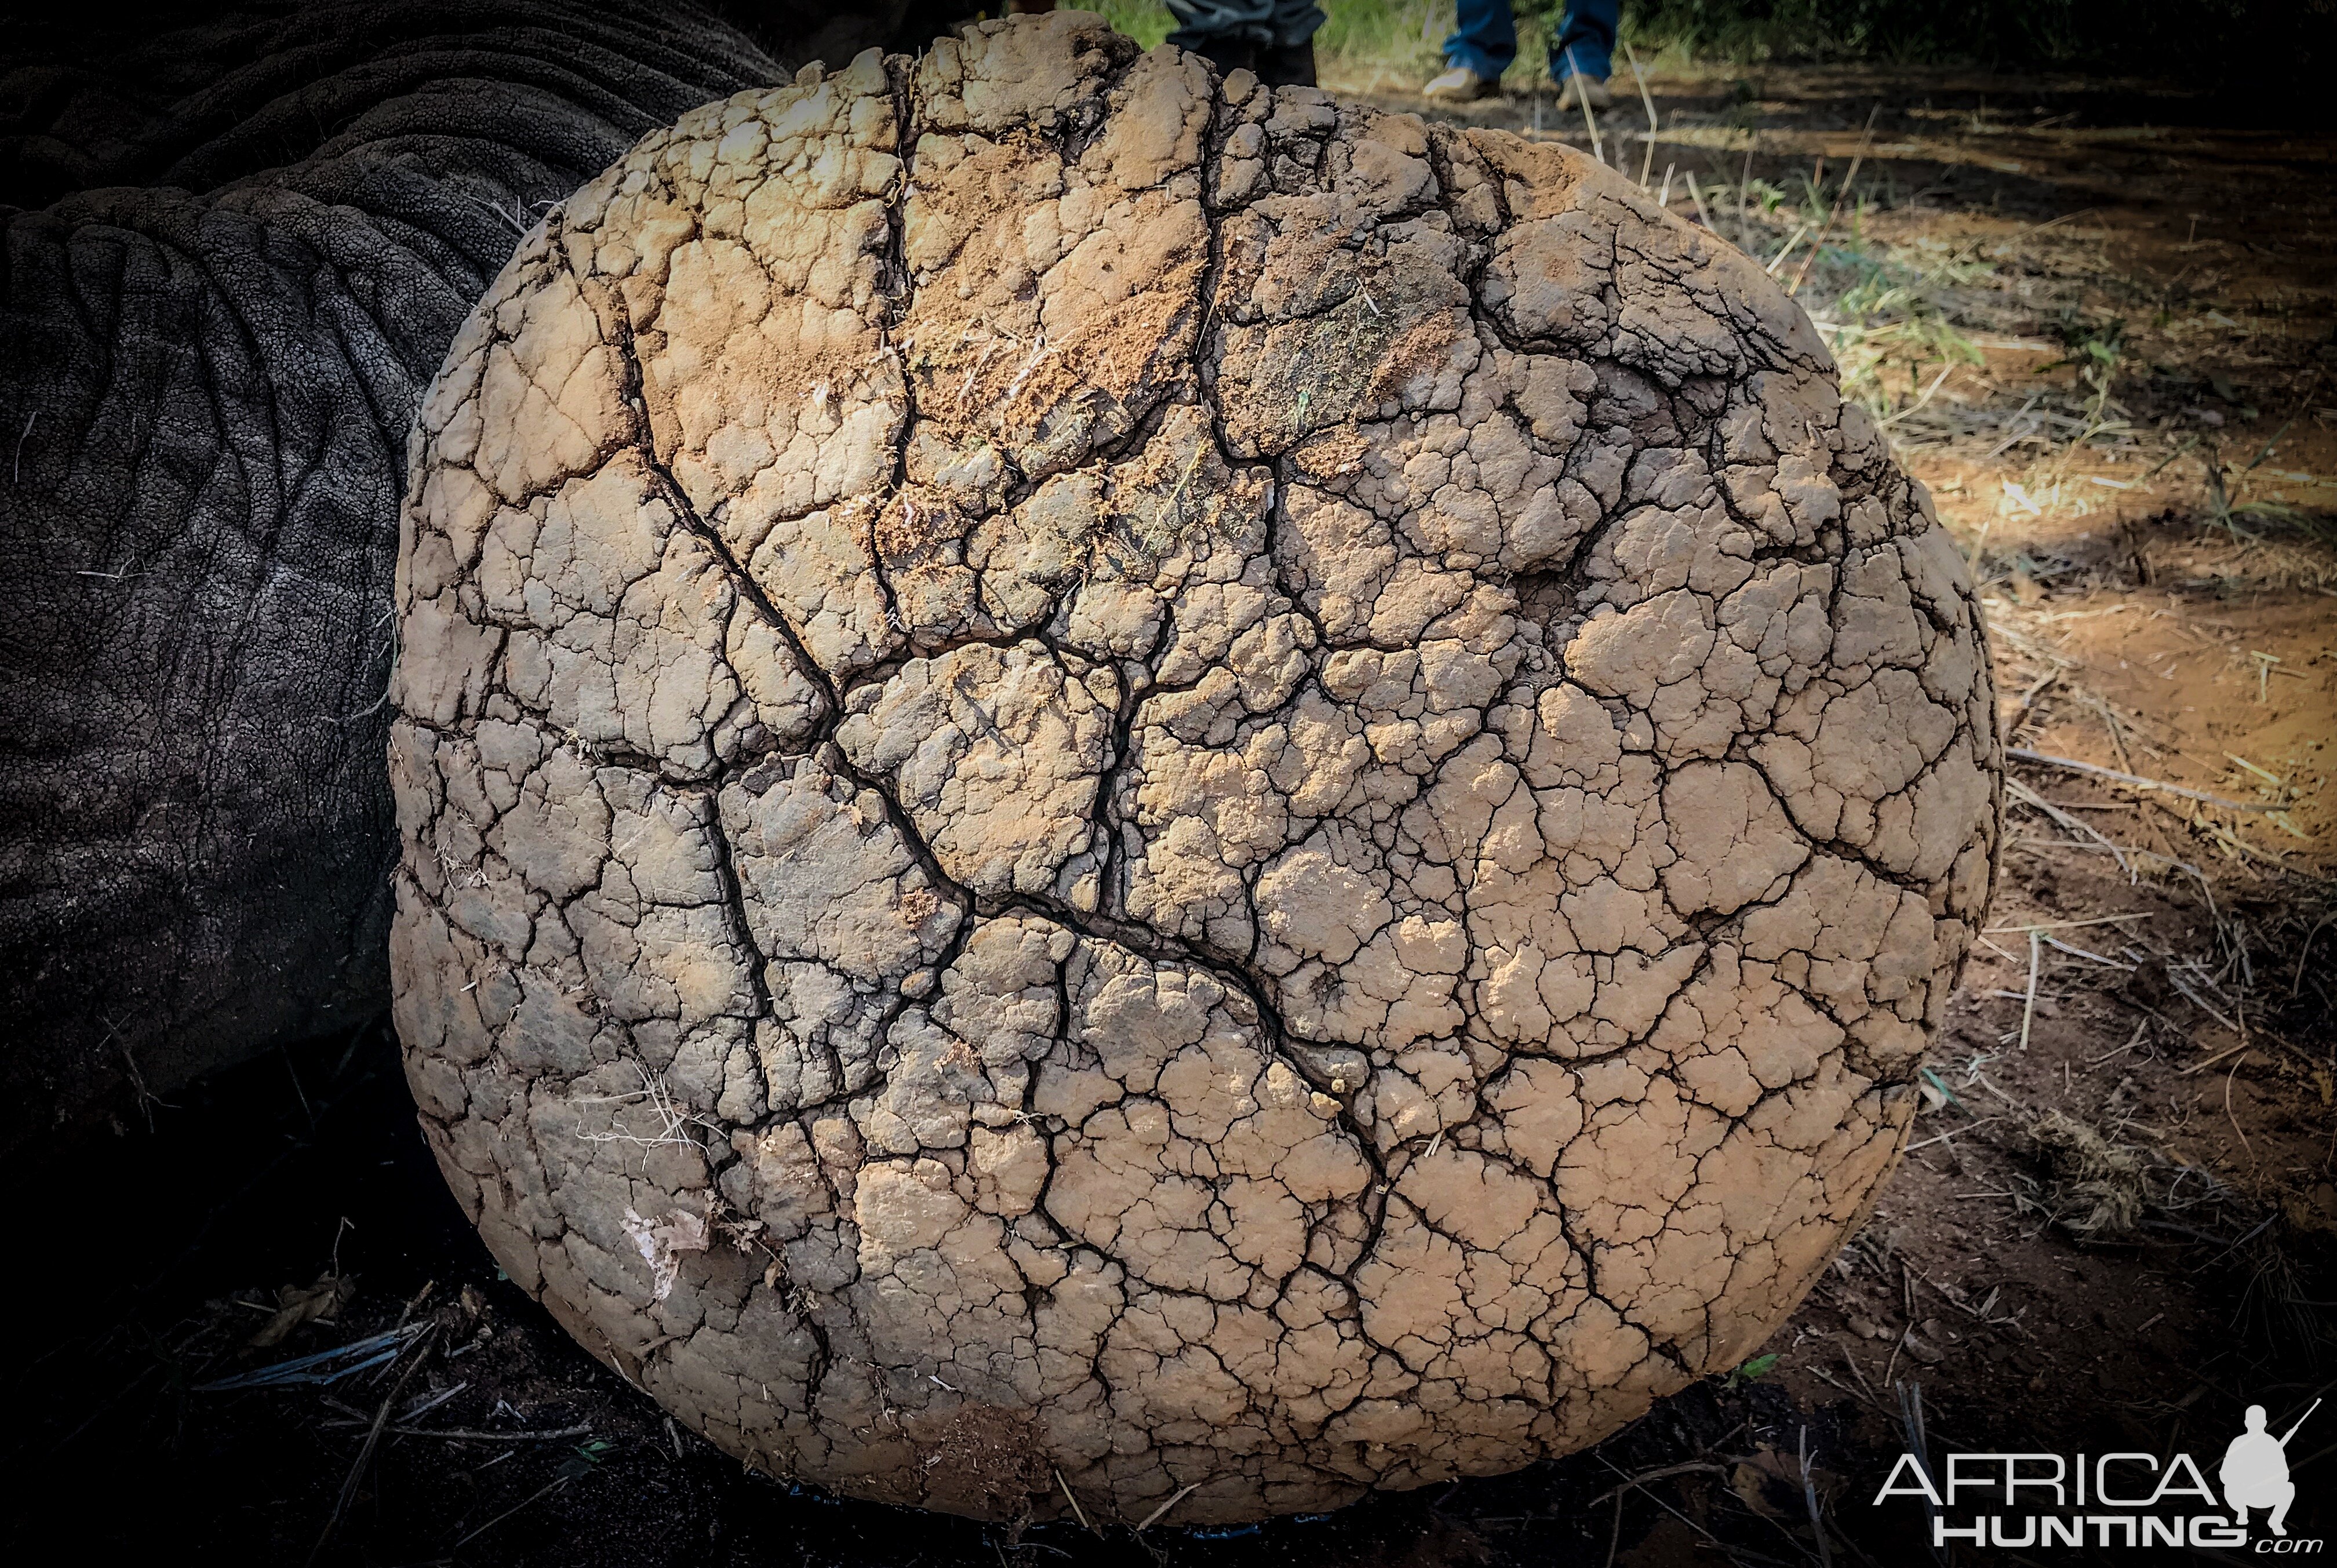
x=2255 y=1471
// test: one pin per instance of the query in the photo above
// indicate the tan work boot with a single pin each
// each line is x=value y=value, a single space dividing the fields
x=1460 y=86
x=1579 y=90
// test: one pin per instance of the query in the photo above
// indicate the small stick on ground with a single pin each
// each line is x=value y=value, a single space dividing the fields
x=419 y=1296
x=2297 y=980
x=1937 y=381
x=2216 y=1060
x=552 y=1485
x=1661 y=1472
x=2063 y=924
x=2074 y=951
x=2133 y=781
x=1822 y=1375
x=1911 y=1422
x=2028 y=1007
x=1630 y=1484
x=2227 y=1109
x=1077 y=1512
x=1791 y=240
x=2028 y=796
x=1953 y=1131
x=472 y=1434
x=365 y=1451
x=1810 y=1497
x=2140 y=1030
x=1182 y=1493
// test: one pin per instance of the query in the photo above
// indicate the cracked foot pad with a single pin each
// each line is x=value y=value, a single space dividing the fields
x=1114 y=784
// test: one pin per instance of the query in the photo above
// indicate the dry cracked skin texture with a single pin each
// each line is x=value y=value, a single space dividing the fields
x=1113 y=774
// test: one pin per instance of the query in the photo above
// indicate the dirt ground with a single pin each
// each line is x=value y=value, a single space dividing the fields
x=2105 y=334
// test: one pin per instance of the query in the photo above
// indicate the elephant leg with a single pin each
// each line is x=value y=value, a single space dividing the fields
x=253 y=242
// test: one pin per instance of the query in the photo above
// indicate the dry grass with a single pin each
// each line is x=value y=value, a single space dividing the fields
x=647 y=1119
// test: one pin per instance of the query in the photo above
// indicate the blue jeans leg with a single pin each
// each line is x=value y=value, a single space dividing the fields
x=1485 y=37
x=1589 y=36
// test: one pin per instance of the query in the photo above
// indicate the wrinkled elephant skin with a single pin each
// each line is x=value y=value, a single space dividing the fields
x=244 y=247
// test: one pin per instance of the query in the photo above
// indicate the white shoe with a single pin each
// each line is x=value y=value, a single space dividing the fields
x=1460 y=85
x=1579 y=90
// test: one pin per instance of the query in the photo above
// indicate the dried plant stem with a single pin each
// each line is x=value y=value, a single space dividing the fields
x=2028 y=1007
x=1182 y=1493
x=1834 y=211
x=1810 y=1494
x=552 y=1484
x=1597 y=148
x=2235 y=1119
x=1077 y=1512
x=364 y=1453
x=1648 y=164
x=2028 y=796
x=1695 y=194
x=2133 y=780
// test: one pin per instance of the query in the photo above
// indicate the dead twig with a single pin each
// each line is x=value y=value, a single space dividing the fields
x=2076 y=952
x=2061 y=818
x=1630 y=1484
x=1951 y=1133
x=2235 y=1121
x=1809 y=1487
x=2133 y=781
x=2028 y=1003
x=365 y=1451
x=552 y=1485
x=322 y=1367
x=1182 y=1493
x=1695 y=194
x=1662 y=1471
x=1834 y=211
x=1597 y=148
x=1648 y=165
x=2062 y=925
x=1077 y=1512
x=2140 y=1030
x=1860 y=1373
x=1911 y=1422
x=2297 y=980
x=472 y=1434
x=1822 y=1375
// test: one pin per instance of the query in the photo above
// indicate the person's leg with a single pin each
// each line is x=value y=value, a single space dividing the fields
x=1586 y=40
x=1485 y=37
x=1225 y=33
x=1287 y=59
x=2282 y=1497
